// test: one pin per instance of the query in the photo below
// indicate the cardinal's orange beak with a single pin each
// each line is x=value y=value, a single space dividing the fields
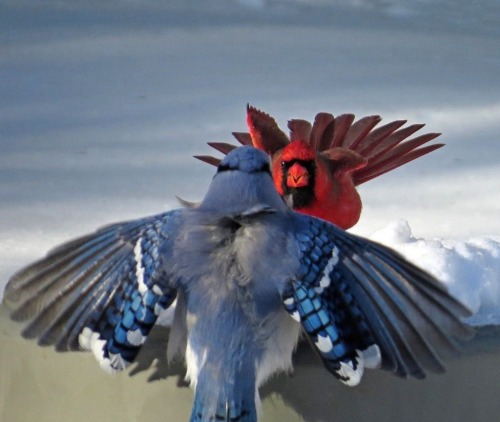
x=297 y=176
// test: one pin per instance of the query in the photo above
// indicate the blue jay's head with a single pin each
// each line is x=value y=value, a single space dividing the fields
x=243 y=180
x=245 y=159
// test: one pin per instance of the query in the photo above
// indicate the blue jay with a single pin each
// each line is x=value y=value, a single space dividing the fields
x=248 y=275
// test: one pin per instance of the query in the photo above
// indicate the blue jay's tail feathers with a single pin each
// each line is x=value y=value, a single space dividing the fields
x=356 y=298
x=236 y=409
x=102 y=292
x=224 y=377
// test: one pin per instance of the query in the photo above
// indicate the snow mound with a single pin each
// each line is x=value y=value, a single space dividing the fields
x=470 y=268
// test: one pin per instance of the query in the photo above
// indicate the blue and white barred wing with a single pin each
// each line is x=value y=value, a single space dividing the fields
x=102 y=292
x=362 y=304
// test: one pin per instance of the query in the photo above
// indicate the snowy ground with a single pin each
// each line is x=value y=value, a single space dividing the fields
x=102 y=103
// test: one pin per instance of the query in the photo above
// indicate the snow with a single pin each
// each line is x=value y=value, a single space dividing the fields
x=470 y=268
x=103 y=103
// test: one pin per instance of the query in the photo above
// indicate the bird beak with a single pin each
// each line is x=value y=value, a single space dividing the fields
x=297 y=176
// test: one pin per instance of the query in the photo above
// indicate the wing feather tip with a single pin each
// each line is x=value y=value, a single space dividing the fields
x=208 y=159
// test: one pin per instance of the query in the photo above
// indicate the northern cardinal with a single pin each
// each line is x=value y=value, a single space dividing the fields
x=316 y=169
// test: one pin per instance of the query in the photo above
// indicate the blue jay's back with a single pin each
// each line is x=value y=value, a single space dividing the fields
x=226 y=262
x=248 y=275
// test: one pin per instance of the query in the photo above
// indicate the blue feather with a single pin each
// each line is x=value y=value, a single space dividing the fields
x=110 y=283
x=373 y=296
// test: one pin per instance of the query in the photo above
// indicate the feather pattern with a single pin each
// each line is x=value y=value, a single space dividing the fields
x=342 y=125
x=299 y=129
x=358 y=131
x=322 y=130
x=108 y=286
x=389 y=302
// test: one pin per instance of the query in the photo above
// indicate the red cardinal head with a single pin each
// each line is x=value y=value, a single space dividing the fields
x=294 y=173
x=317 y=183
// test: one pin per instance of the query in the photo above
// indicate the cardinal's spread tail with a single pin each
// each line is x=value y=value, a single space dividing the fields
x=383 y=147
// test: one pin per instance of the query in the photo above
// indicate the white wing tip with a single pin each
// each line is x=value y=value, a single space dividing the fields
x=369 y=358
x=372 y=357
x=89 y=340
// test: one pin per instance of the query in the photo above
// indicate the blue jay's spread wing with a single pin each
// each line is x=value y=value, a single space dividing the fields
x=360 y=301
x=102 y=292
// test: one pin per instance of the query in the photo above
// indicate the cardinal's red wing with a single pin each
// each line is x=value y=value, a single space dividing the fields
x=385 y=147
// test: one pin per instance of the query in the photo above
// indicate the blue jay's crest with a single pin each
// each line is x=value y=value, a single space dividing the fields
x=246 y=161
x=248 y=274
